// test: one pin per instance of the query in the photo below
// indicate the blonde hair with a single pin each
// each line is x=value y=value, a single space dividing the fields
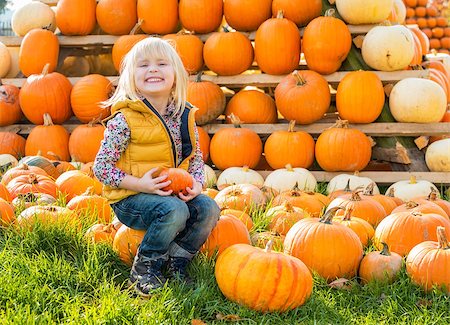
x=150 y=47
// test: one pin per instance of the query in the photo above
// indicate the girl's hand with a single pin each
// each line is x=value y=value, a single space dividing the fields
x=192 y=192
x=148 y=184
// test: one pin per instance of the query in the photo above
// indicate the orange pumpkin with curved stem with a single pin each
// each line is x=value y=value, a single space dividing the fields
x=387 y=202
x=76 y=17
x=116 y=17
x=423 y=207
x=91 y=206
x=158 y=16
x=246 y=16
x=126 y=243
x=299 y=11
x=124 y=44
x=283 y=217
x=252 y=106
x=310 y=202
x=21 y=169
x=12 y=144
x=241 y=215
x=433 y=198
x=428 y=263
x=32 y=183
x=361 y=227
x=380 y=265
x=178 y=177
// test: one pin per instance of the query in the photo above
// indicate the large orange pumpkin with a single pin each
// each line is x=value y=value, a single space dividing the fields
x=76 y=17
x=124 y=44
x=295 y=148
x=12 y=144
x=84 y=142
x=303 y=96
x=200 y=16
x=326 y=43
x=283 y=217
x=240 y=268
x=53 y=89
x=361 y=227
x=32 y=183
x=91 y=206
x=190 y=49
x=246 y=15
x=299 y=11
x=10 y=111
x=252 y=106
x=116 y=17
x=158 y=16
x=277 y=46
x=38 y=48
x=75 y=182
x=7 y=215
x=126 y=243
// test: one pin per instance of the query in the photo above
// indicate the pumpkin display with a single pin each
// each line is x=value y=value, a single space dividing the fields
x=208 y=97
x=87 y=95
x=116 y=17
x=246 y=16
x=252 y=106
x=404 y=230
x=179 y=179
x=51 y=88
x=39 y=47
x=234 y=147
x=190 y=49
x=284 y=179
x=298 y=11
x=428 y=263
x=277 y=46
x=343 y=149
x=76 y=17
x=303 y=96
x=84 y=141
x=239 y=271
x=12 y=143
x=49 y=139
x=239 y=175
x=200 y=16
x=158 y=16
x=32 y=15
x=126 y=243
x=32 y=183
x=326 y=43
x=381 y=266
x=330 y=249
x=228 y=53
x=101 y=233
x=295 y=148
x=228 y=231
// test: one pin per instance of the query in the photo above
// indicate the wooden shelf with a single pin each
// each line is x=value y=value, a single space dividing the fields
x=266 y=80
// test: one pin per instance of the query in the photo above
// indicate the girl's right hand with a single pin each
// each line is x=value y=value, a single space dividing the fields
x=148 y=184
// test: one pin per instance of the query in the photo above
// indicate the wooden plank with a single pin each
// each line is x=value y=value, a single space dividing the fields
x=266 y=80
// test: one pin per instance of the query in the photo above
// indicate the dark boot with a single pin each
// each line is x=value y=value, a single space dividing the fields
x=146 y=274
x=177 y=269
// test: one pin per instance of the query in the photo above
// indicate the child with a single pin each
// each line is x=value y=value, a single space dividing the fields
x=152 y=125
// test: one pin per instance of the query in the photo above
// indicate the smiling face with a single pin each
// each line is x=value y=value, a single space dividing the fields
x=154 y=77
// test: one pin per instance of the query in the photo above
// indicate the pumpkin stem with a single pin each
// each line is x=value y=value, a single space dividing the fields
x=235 y=120
x=32 y=179
x=433 y=195
x=136 y=27
x=288 y=206
x=329 y=215
x=291 y=126
x=411 y=205
x=340 y=124
x=45 y=69
x=347 y=186
x=391 y=192
x=289 y=168
x=347 y=213
x=355 y=194
x=269 y=246
x=413 y=180
x=385 y=251
x=89 y=191
x=300 y=79
x=198 y=77
x=330 y=13
x=226 y=28
x=280 y=14
x=442 y=238
x=369 y=189
x=51 y=153
x=47 y=119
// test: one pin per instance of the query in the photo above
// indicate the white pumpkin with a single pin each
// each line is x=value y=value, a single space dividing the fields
x=7 y=161
x=239 y=175
x=358 y=12
x=210 y=176
x=407 y=190
x=437 y=156
x=340 y=181
x=34 y=14
x=14 y=69
x=284 y=179
x=388 y=48
x=417 y=100
x=398 y=12
x=5 y=60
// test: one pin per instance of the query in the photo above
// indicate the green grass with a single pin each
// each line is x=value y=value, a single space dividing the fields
x=52 y=276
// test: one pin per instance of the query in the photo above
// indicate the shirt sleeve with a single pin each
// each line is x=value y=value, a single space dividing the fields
x=196 y=164
x=115 y=140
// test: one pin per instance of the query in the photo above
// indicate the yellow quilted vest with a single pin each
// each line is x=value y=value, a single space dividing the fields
x=151 y=144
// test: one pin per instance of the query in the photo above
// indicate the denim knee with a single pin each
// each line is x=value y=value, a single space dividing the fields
x=175 y=213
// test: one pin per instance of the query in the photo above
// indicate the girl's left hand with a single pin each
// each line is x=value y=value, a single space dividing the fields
x=192 y=192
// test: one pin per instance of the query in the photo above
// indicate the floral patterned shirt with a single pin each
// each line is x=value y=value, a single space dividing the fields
x=115 y=141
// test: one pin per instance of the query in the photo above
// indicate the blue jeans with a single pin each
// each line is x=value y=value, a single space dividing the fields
x=174 y=228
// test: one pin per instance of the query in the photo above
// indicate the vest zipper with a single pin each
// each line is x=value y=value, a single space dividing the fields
x=174 y=151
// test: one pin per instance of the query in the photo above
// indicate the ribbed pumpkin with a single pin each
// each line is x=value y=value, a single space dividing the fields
x=239 y=270
x=361 y=227
x=7 y=215
x=208 y=97
x=22 y=169
x=326 y=43
x=299 y=11
x=360 y=97
x=10 y=111
x=241 y=197
x=75 y=182
x=303 y=96
x=246 y=15
x=330 y=249
x=360 y=12
x=32 y=15
x=41 y=162
x=12 y=144
x=312 y=203
x=126 y=242
x=158 y=16
x=283 y=217
x=422 y=207
x=101 y=233
x=380 y=266
x=241 y=215
x=261 y=239
x=190 y=49
x=91 y=206
x=48 y=138
x=200 y=16
x=295 y=148
x=38 y=48
x=228 y=231
x=53 y=89
x=124 y=44
x=433 y=198
x=404 y=230
x=387 y=202
x=277 y=46
x=32 y=183
x=252 y=106
x=284 y=179
x=4 y=193
x=48 y=216
x=84 y=142
x=343 y=149
x=76 y=17
x=228 y=53
x=116 y=17
x=428 y=263
x=235 y=147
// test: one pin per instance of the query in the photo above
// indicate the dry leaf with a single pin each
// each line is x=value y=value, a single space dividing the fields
x=341 y=283
x=232 y=318
x=197 y=322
